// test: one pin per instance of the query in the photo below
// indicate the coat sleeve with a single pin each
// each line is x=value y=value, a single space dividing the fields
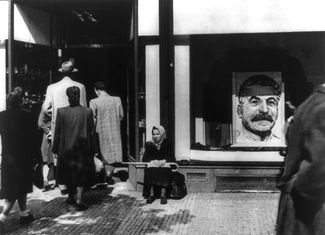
x=91 y=131
x=295 y=157
x=93 y=108
x=57 y=132
x=121 y=113
x=43 y=123
x=83 y=99
x=47 y=105
x=310 y=181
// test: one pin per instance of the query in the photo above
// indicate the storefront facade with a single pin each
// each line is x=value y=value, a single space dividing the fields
x=186 y=57
x=203 y=47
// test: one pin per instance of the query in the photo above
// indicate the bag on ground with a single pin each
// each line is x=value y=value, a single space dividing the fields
x=178 y=187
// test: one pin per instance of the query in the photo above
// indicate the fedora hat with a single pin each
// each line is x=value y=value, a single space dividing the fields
x=67 y=67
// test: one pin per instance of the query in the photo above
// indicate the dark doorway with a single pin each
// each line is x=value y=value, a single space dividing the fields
x=109 y=65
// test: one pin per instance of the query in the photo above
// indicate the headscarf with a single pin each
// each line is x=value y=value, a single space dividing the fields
x=162 y=134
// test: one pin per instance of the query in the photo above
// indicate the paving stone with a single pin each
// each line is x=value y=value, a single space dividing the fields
x=121 y=210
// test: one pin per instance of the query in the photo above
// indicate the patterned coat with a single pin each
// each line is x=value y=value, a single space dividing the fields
x=108 y=113
x=302 y=201
x=56 y=97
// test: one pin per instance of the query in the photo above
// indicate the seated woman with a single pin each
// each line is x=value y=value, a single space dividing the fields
x=157 y=176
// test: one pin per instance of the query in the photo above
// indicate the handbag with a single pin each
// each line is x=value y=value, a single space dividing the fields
x=37 y=176
x=99 y=165
x=178 y=188
x=100 y=172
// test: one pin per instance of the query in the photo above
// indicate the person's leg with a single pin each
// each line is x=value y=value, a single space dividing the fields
x=163 y=198
x=71 y=196
x=151 y=197
x=22 y=202
x=25 y=214
x=109 y=173
x=80 y=205
x=8 y=204
x=45 y=177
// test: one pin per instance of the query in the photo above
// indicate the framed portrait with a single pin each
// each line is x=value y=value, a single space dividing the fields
x=257 y=109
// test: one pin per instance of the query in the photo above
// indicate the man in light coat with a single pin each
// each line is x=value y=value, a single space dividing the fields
x=56 y=95
x=108 y=113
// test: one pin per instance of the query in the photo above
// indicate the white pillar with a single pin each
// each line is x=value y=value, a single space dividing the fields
x=152 y=89
x=182 y=102
x=3 y=37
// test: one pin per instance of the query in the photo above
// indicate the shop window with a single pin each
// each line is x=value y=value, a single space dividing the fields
x=219 y=66
x=31 y=67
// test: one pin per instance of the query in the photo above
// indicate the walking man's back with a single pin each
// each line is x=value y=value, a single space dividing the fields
x=108 y=113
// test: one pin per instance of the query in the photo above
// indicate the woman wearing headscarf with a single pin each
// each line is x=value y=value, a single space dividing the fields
x=157 y=176
x=20 y=147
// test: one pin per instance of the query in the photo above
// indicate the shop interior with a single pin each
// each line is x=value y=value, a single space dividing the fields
x=97 y=35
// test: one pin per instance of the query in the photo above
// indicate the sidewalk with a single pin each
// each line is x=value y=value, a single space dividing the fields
x=121 y=210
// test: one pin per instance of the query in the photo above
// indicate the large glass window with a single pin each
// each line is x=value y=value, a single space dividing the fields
x=281 y=70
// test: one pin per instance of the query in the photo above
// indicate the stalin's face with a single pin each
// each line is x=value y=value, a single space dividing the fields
x=258 y=113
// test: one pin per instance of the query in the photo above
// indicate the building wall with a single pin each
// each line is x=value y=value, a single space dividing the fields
x=249 y=16
x=193 y=17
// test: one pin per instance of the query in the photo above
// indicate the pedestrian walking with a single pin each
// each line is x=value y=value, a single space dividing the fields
x=73 y=144
x=56 y=96
x=301 y=205
x=157 y=176
x=108 y=114
x=19 y=138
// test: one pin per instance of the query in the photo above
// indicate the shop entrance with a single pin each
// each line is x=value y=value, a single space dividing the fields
x=98 y=35
x=110 y=65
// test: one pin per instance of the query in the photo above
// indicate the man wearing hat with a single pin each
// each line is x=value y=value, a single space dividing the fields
x=56 y=93
x=258 y=97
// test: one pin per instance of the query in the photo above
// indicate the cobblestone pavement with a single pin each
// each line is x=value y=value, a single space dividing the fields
x=121 y=210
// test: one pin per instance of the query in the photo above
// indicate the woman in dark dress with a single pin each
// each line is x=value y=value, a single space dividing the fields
x=73 y=144
x=157 y=176
x=19 y=137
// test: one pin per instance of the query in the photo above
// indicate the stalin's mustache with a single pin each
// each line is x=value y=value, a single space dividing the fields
x=262 y=117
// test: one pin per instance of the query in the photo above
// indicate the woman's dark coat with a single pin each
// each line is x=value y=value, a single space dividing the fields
x=73 y=144
x=301 y=206
x=20 y=146
x=157 y=176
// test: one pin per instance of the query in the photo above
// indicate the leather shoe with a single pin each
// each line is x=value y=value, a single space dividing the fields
x=110 y=181
x=150 y=199
x=80 y=206
x=64 y=191
x=163 y=200
x=70 y=201
x=26 y=219
x=47 y=188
